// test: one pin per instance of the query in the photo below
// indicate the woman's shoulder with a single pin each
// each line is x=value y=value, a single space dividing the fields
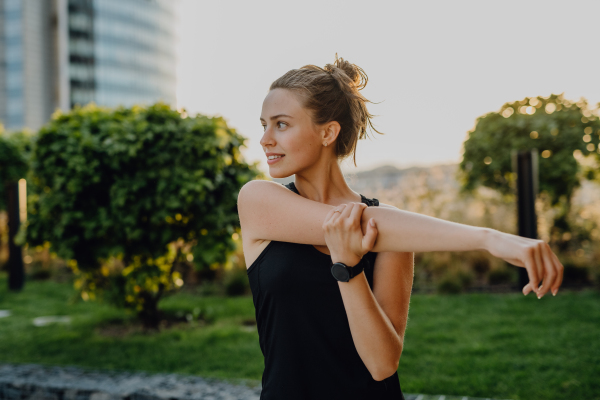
x=257 y=189
x=258 y=184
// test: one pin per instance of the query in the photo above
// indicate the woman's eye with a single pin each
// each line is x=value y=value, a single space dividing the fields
x=264 y=128
x=281 y=123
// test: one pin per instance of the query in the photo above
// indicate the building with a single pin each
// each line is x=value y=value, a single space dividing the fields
x=59 y=53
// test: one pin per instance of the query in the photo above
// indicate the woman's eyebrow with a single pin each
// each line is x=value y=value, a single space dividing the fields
x=280 y=115
x=277 y=116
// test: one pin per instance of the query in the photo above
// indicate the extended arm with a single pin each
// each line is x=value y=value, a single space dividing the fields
x=268 y=211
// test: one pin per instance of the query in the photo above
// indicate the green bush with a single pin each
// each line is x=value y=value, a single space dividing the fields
x=124 y=194
x=15 y=149
x=576 y=273
x=449 y=284
x=502 y=276
x=236 y=282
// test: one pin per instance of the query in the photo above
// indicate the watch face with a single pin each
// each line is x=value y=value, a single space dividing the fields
x=340 y=272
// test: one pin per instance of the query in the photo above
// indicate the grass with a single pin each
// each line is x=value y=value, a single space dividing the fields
x=501 y=345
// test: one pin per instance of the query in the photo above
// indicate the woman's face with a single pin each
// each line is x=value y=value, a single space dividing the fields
x=291 y=141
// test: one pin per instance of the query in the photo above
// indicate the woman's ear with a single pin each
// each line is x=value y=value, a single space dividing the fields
x=331 y=130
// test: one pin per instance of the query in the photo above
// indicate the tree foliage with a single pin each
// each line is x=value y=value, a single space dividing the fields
x=15 y=149
x=145 y=185
x=562 y=131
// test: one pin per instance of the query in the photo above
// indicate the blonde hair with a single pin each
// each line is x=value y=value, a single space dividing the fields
x=333 y=93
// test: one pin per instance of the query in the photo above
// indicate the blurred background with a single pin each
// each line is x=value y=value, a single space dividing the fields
x=129 y=126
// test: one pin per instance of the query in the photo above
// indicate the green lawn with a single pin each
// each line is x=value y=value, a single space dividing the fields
x=483 y=345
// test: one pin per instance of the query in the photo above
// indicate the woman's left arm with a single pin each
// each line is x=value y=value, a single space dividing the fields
x=377 y=318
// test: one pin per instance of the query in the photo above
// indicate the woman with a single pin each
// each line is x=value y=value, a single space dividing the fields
x=331 y=270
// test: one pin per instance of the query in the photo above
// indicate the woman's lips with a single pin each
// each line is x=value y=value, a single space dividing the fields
x=274 y=160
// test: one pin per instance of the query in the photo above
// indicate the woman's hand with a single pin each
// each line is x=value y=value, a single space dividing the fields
x=344 y=236
x=534 y=255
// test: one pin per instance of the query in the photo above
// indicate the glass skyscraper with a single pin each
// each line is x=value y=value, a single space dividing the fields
x=59 y=53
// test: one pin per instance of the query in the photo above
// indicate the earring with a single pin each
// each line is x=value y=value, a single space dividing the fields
x=325 y=144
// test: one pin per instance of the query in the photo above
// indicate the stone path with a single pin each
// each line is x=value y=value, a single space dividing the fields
x=35 y=382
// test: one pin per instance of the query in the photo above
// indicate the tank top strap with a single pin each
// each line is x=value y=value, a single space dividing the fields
x=292 y=187
x=369 y=202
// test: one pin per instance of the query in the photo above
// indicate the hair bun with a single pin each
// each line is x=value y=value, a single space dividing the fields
x=353 y=71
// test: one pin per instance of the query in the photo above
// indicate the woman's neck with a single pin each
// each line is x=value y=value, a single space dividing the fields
x=325 y=183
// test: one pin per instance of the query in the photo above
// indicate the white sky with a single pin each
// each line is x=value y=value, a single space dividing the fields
x=436 y=65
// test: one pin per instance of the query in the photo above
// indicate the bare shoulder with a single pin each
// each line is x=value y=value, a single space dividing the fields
x=256 y=194
x=256 y=189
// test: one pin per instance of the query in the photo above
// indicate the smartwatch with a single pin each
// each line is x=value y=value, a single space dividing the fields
x=343 y=273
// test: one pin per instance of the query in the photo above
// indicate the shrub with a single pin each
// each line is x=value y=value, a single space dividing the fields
x=449 y=284
x=455 y=280
x=502 y=276
x=124 y=194
x=15 y=149
x=236 y=282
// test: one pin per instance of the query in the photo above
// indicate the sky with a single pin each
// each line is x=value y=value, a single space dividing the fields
x=433 y=66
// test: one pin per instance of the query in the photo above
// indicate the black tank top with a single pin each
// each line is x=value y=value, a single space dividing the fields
x=303 y=328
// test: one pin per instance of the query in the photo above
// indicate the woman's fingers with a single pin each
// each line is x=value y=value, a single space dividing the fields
x=356 y=213
x=542 y=267
x=550 y=273
x=368 y=240
x=347 y=210
x=536 y=256
x=328 y=217
x=338 y=212
x=560 y=270
x=539 y=266
x=333 y=215
x=532 y=272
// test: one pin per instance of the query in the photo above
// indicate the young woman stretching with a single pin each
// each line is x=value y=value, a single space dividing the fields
x=331 y=270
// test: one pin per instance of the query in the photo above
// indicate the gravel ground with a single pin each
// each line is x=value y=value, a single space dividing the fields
x=36 y=382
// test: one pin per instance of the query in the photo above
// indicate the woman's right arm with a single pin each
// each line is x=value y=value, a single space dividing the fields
x=269 y=211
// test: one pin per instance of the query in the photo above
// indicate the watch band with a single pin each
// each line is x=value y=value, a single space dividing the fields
x=343 y=273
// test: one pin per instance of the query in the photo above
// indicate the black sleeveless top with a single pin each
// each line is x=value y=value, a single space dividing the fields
x=303 y=328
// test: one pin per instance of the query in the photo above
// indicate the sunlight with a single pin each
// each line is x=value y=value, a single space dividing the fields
x=508 y=112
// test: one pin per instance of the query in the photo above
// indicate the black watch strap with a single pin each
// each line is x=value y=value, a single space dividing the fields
x=344 y=273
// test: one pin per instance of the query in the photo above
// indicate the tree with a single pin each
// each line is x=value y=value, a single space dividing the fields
x=564 y=132
x=15 y=149
x=14 y=164
x=144 y=185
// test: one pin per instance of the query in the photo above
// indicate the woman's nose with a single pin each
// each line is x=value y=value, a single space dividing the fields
x=267 y=139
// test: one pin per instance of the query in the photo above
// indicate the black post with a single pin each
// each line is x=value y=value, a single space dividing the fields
x=525 y=164
x=16 y=273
